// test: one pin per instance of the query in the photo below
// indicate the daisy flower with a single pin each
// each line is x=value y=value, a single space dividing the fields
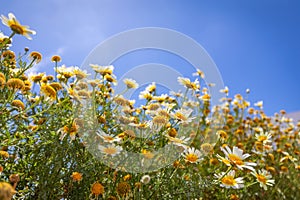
x=182 y=141
x=130 y=83
x=263 y=137
x=183 y=115
x=192 y=155
x=110 y=150
x=103 y=70
x=263 y=177
x=16 y=27
x=236 y=157
x=108 y=138
x=228 y=180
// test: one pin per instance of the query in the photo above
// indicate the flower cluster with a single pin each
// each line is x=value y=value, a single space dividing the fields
x=65 y=135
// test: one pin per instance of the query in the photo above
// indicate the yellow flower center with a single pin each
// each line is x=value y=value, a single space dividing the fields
x=110 y=150
x=262 y=138
x=191 y=157
x=261 y=178
x=228 y=180
x=180 y=116
x=17 y=29
x=235 y=159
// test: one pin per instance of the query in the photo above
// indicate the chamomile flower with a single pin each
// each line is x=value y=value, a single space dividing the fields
x=110 y=150
x=264 y=178
x=182 y=115
x=236 y=158
x=228 y=180
x=130 y=83
x=263 y=137
x=192 y=155
x=181 y=141
x=108 y=138
x=16 y=27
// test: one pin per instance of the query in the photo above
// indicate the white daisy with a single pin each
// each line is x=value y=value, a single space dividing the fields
x=236 y=157
x=110 y=150
x=108 y=138
x=228 y=180
x=264 y=178
x=192 y=155
x=183 y=115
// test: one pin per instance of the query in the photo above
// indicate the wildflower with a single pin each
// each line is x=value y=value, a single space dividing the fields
x=127 y=177
x=4 y=154
x=49 y=91
x=263 y=137
x=108 y=138
x=69 y=130
x=207 y=148
x=103 y=70
x=228 y=180
x=199 y=73
x=213 y=161
x=225 y=90
x=236 y=158
x=79 y=73
x=145 y=179
x=183 y=115
x=264 y=178
x=36 y=56
x=19 y=104
x=192 y=155
x=76 y=176
x=15 y=83
x=145 y=95
x=16 y=27
x=151 y=88
x=36 y=77
x=287 y=157
x=130 y=83
x=182 y=141
x=6 y=191
x=186 y=82
x=222 y=135
x=110 y=150
x=259 y=104
x=56 y=86
x=97 y=189
x=2 y=81
x=4 y=40
x=123 y=189
x=56 y=58
x=147 y=154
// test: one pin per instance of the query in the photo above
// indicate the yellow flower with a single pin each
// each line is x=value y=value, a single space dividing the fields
x=264 y=178
x=19 y=104
x=55 y=58
x=97 y=189
x=110 y=150
x=222 y=135
x=16 y=27
x=127 y=177
x=15 y=83
x=130 y=83
x=123 y=189
x=76 y=176
x=36 y=56
x=192 y=155
x=228 y=180
x=236 y=157
x=4 y=154
x=6 y=191
x=49 y=91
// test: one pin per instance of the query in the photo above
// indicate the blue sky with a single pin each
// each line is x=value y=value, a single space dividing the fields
x=255 y=44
